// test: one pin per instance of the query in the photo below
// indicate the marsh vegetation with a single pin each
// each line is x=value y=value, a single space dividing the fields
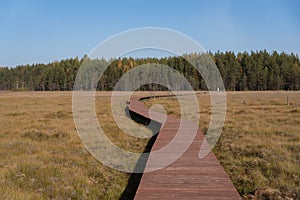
x=42 y=156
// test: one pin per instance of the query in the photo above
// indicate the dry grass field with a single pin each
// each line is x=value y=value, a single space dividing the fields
x=42 y=156
x=260 y=143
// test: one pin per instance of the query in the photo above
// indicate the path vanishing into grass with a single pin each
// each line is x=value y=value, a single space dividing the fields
x=189 y=177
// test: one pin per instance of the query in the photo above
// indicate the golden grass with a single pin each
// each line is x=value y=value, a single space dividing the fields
x=260 y=143
x=42 y=156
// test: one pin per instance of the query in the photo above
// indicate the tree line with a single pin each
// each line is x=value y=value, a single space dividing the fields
x=258 y=70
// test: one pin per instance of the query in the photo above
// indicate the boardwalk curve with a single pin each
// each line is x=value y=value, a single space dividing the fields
x=188 y=177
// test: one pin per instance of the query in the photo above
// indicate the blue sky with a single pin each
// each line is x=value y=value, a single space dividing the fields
x=36 y=31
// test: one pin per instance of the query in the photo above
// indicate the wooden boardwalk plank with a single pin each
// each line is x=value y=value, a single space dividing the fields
x=189 y=177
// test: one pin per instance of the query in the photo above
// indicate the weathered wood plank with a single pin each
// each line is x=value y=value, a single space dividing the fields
x=189 y=177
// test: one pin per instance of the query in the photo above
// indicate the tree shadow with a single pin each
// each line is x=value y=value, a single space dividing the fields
x=135 y=178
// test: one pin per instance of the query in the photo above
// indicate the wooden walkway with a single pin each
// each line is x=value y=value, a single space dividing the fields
x=189 y=177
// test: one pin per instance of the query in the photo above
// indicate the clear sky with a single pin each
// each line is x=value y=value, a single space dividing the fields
x=36 y=31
